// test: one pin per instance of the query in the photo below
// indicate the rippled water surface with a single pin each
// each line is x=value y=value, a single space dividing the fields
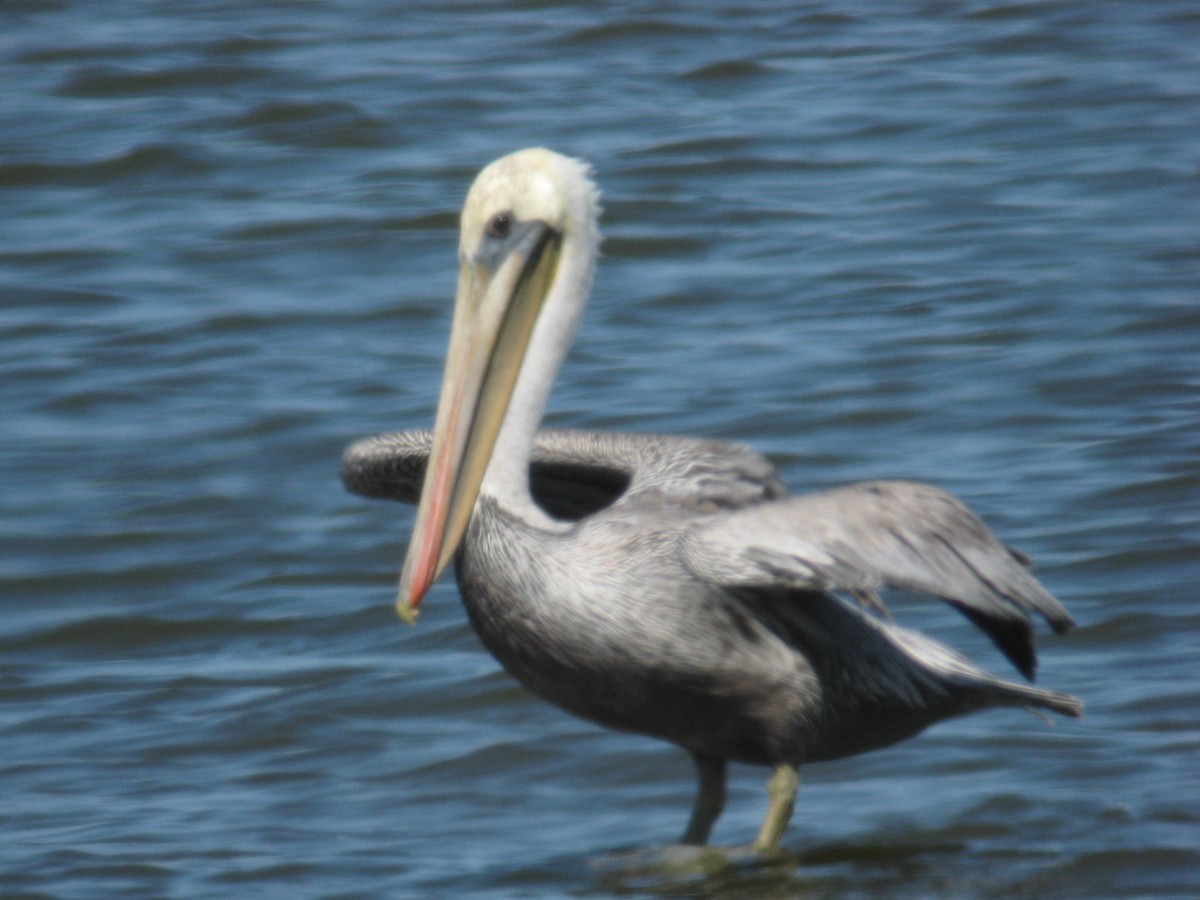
x=957 y=242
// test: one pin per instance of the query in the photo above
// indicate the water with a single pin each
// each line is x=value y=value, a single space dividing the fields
x=956 y=242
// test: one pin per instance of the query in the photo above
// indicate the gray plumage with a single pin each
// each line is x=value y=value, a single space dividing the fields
x=669 y=586
x=694 y=601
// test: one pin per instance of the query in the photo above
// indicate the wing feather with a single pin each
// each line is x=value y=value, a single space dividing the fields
x=574 y=473
x=859 y=538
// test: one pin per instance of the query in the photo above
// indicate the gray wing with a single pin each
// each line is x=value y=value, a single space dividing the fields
x=575 y=473
x=859 y=538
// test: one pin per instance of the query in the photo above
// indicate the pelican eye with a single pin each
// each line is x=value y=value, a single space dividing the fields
x=500 y=225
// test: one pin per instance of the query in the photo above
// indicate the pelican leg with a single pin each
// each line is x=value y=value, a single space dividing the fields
x=710 y=799
x=781 y=798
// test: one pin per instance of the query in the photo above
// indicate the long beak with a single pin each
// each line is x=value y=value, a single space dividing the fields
x=494 y=314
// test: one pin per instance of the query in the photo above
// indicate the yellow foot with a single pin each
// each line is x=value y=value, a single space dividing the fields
x=781 y=799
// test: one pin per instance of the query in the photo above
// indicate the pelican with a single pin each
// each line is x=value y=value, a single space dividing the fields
x=669 y=586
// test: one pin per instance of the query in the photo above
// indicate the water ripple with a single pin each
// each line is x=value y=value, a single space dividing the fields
x=955 y=244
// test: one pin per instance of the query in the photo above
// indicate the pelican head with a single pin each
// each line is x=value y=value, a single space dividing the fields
x=526 y=253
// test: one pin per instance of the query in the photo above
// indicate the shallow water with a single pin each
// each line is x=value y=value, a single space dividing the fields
x=956 y=242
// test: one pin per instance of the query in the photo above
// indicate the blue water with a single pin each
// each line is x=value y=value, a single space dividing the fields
x=956 y=242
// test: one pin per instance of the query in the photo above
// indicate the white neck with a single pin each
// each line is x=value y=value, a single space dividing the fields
x=507 y=477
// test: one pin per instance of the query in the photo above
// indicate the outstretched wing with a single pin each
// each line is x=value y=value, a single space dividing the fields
x=574 y=473
x=862 y=537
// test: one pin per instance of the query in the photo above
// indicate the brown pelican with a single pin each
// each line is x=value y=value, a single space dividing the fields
x=668 y=586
